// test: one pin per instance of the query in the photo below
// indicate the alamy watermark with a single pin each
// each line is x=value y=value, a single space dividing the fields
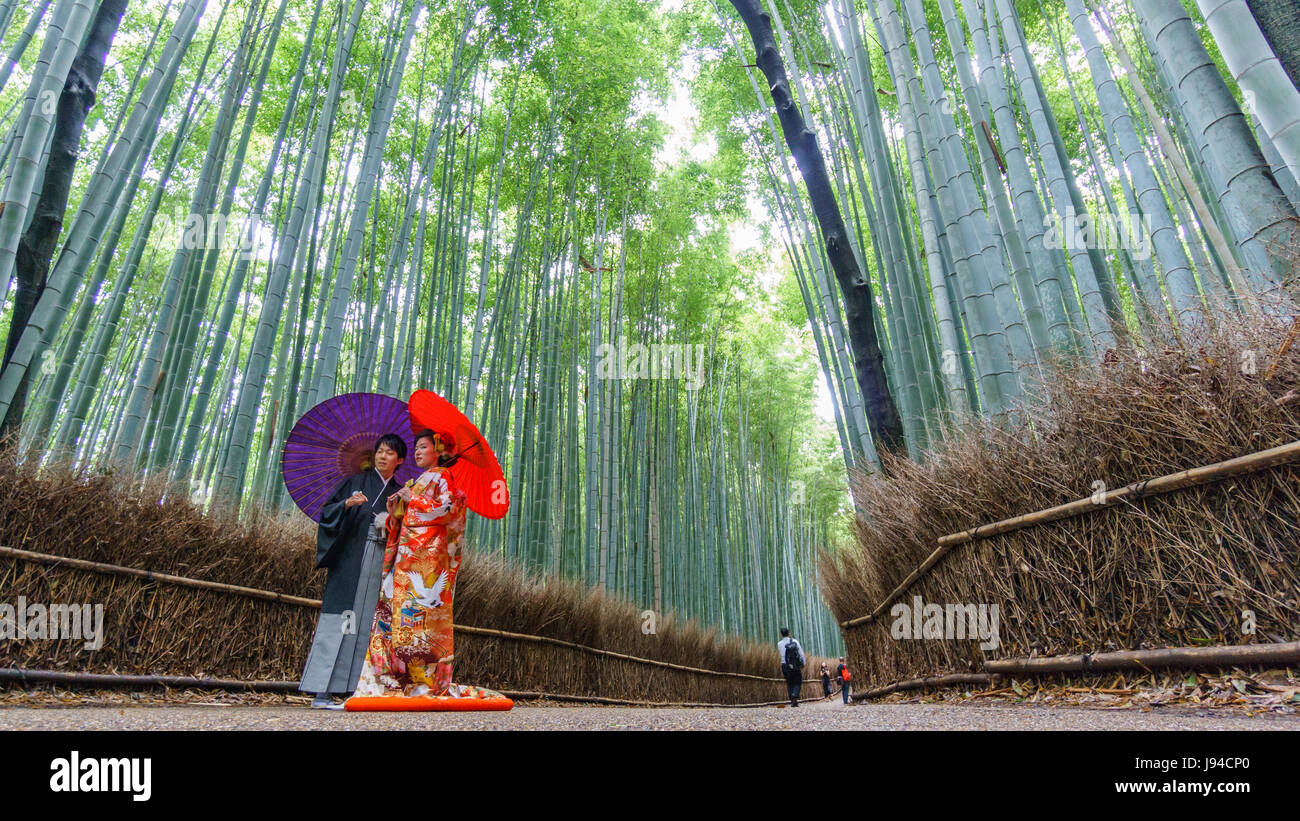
x=23 y=621
x=658 y=360
x=946 y=621
x=77 y=774
x=1077 y=232
x=194 y=231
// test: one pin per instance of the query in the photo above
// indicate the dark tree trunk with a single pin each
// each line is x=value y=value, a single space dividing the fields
x=1280 y=22
x=855 y=285
x=36 y=247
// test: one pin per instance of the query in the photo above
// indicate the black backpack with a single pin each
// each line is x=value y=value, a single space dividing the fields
x=792 y=659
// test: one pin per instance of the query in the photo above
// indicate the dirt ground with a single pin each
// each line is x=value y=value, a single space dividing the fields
x=283 y=714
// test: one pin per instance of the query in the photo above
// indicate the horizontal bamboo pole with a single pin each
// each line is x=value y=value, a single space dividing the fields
x=900 y=589
x=166 y=578
x=1262 y=460
x=920 y=683
x=115 y=680
x=270 y=595
x=1190 y=658
x=487 y=631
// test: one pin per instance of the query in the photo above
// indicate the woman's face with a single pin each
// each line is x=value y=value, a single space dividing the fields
x=426 y=453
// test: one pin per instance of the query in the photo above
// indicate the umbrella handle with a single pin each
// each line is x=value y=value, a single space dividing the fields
x=477 y=442
x=399 y=509
x=456 y=457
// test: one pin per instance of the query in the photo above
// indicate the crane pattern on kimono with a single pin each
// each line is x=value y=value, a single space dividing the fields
x=429 y=596
x=420 y=599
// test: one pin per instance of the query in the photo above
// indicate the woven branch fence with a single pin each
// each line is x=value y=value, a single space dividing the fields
x=1121 y=550
x=81 y=565
x=193 y=595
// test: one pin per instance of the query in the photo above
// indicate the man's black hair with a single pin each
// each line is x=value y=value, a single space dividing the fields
x=785 y=632
x=393 y=441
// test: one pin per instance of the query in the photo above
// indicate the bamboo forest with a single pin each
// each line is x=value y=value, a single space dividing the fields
x=697 y=269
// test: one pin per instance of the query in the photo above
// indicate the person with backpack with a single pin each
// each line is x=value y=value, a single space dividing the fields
x=792 y=662
x=842 y=673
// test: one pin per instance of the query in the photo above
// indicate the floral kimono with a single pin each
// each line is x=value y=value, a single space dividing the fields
x=411 y=642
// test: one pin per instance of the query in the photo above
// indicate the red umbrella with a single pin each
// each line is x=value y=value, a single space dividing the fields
x=477 y=472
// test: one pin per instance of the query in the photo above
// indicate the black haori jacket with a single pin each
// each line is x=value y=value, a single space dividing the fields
x=341 y=537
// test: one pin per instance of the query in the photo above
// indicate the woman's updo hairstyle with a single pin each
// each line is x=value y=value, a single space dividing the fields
x=436 y=439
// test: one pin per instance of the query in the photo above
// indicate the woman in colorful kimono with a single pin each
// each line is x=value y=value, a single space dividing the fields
x=411 y=651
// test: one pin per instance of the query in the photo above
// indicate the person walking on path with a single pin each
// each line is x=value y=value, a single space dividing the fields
x=826 y=681
x=842 y=673
x=792 y=663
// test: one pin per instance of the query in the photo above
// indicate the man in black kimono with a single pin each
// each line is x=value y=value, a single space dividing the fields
x=350 y=547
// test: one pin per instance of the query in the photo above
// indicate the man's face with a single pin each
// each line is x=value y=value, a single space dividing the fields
x=386 y=459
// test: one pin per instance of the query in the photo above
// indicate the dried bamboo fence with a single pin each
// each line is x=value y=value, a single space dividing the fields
x=27 y=675
x=195 y=596
x=1167 y=493
x=476 y=646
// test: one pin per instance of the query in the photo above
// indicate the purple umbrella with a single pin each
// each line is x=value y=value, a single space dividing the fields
x=336 y=440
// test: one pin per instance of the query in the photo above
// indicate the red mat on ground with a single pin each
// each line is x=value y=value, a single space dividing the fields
x=424 y=703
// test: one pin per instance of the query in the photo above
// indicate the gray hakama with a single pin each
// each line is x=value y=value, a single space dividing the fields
x=352 y=551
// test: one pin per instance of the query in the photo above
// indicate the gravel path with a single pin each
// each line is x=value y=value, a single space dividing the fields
x=810 y=716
